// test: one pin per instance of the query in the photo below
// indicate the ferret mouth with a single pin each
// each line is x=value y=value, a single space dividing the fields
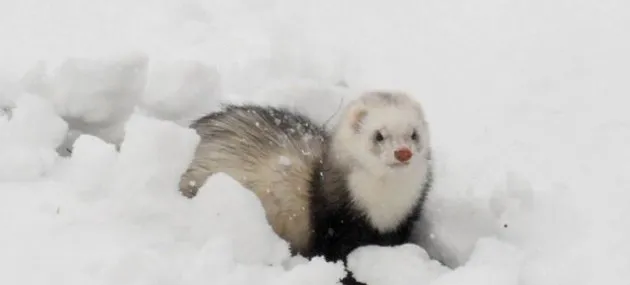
x=399 y=164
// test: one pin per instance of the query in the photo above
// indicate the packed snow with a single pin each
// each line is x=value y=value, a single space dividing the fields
x=526 y=102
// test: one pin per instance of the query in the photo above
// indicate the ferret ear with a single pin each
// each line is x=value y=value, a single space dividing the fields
x=356 y=117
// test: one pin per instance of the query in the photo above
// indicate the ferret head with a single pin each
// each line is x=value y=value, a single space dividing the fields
x=383 y=132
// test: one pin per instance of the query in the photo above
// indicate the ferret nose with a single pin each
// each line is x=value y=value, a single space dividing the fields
x=403 y=154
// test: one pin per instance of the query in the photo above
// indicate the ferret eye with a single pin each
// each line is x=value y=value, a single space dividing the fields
x=414 y=135
x=378 y=137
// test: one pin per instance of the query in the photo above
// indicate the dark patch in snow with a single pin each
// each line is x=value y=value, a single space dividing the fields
x=6 y=112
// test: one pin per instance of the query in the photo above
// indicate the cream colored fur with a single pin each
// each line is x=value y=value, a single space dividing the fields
x=278 y=175
x=383 y=190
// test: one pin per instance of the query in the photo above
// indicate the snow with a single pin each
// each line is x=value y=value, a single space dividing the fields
x=284 y=161
x=526 y=101
x=28 y=150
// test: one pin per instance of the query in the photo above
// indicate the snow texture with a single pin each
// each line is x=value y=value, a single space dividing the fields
x=527 y=104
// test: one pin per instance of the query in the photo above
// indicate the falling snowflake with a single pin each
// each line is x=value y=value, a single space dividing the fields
x=283 y=160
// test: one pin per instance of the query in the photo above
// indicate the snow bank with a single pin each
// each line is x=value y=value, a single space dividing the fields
x=29 y=134
x=94 y=95
x=181 y=90
x=525 y=100
x=117 y=218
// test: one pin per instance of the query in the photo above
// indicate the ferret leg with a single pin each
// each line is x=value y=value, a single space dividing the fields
x=192 y=180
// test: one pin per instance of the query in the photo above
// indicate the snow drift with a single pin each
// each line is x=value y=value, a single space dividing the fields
x=526 y=101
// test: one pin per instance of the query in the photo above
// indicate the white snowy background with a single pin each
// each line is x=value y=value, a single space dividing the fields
x=527 y=102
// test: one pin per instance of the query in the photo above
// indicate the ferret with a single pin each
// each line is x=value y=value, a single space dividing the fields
x=325 y=192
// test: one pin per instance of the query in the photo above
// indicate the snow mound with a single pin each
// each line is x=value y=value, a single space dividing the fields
x=403 y=264
x=118 y=218
x=178 y=88
x=29 y=134
x=526 y=100
x=95 y=96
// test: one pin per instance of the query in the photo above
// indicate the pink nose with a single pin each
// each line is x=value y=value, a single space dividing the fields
x=403 y=154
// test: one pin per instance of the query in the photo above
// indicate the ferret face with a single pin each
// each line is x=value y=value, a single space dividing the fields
x=395 y=141
x=387 y=133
